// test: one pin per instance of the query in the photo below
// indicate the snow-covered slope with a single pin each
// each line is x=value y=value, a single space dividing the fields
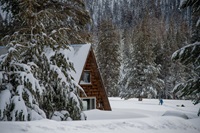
x=128 y=116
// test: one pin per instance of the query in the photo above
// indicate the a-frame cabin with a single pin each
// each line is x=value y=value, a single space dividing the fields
x=87 y=75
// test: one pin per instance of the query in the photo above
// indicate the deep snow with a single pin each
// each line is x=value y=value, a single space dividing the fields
x=127 y=116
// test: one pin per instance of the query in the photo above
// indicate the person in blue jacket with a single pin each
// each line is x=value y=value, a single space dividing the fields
x=161 y=102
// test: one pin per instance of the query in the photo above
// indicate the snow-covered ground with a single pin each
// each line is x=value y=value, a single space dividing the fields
x=127 y=116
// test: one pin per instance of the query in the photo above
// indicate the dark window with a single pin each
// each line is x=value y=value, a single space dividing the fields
x=86 y=78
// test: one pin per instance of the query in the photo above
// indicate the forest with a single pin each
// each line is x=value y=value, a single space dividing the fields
x=144 y=49
x=137 y=39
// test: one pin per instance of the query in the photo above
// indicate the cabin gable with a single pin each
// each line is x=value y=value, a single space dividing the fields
x=94 y=89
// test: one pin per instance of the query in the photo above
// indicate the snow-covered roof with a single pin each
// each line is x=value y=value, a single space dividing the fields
x=78 y=55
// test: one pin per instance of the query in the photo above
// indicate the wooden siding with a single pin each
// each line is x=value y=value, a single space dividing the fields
x=96 y=88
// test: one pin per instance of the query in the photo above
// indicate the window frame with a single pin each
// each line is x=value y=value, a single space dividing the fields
x=91 y=103
x=82 y=82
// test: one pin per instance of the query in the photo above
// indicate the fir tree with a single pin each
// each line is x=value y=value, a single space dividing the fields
x=141 y=78
x=168 y=41
x=189 y=55
x=108 y=56
x=35 y=71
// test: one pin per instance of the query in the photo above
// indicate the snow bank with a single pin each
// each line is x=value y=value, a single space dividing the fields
x=176 y=114
x=156 y=125
x=128 y=116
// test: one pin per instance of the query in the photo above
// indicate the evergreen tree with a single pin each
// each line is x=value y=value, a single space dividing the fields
x=141 y=79
x=34 y=76
x=189 y=55
x=171 y=73
x=125 y=57
x=108 y=56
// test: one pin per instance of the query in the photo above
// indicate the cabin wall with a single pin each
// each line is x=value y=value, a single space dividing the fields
x=96 y=88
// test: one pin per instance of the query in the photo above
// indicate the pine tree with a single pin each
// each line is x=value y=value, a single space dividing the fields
x=189 y=55
x=171 y=40
x=108 y=56
x=141 y=79
x=35 y=71
x=126 y=57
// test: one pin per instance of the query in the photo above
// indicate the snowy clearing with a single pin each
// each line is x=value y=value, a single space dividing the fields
x=127 y=116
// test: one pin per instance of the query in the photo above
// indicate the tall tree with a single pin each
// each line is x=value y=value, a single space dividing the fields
x=171 y=40
x=34 y=76
x=125 y=56
x=141 y=79
x=108 y=56
x=189 y=55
